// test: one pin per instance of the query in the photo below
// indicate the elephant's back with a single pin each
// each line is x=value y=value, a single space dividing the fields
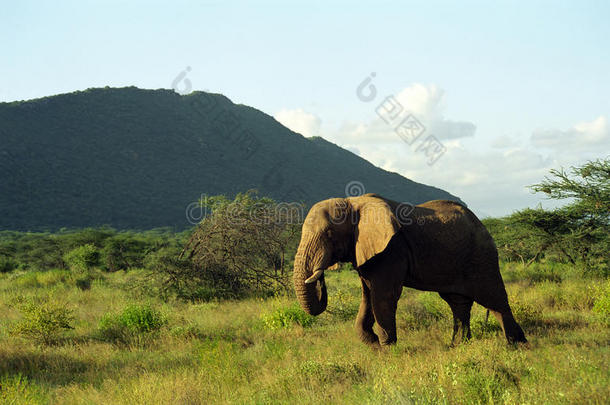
x=445 y=223
x=448 y=215
x=444 y=205
x=452 y=215
x=450 y=244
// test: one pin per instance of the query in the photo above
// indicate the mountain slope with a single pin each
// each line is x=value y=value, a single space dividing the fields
x=134 y=158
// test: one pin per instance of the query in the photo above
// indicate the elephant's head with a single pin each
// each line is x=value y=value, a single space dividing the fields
x=353 y=229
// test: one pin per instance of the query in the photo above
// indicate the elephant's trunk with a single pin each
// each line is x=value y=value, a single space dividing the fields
x=312 y=296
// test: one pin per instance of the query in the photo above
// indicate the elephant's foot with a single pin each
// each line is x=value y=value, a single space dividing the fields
x=369 y=337
x=378 y=344
x=461 y=334
x=513 y=332
x=388 y=342
x=387 y=339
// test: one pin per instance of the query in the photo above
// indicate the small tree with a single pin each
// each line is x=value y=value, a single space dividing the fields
x=82 y=258
x=125 y=250
x=579 y=230
x=589 y=185
x=241 y=246
x=516 y=239
x=43 y=321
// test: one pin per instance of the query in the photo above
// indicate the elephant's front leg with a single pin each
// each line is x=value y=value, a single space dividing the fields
x=365 y=319
x=384 y=300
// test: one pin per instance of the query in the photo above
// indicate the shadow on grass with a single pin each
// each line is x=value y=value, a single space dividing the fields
x=44 y=368
x=47 y=368
x=548 y=326
x=539 y=327
x=229 y=335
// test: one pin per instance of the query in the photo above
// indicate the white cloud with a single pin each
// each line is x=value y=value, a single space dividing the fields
x=300 y=121
x=491 y=176
x=503 y=142
x=423 y=101
x=584 y=136
x=489 y=181
x=428 y=104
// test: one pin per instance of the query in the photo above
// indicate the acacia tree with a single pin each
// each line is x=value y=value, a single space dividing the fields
x=588 y=184
x=517 y=240
x=242 y=244
x=579 y=230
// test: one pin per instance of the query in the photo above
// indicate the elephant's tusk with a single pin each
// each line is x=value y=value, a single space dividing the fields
x=316 y=275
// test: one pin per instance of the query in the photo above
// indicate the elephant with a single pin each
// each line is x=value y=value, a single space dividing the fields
x=435 y=246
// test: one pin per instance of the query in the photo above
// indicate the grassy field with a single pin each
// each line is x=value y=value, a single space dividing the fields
x=258 y=351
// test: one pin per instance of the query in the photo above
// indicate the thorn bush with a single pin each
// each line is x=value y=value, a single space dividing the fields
x=44 y=321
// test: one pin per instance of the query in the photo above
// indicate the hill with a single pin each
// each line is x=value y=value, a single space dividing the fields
x=134 y=158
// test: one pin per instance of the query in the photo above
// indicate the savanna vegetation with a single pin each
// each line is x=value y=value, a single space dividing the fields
x=113 y=344
x=208 y=315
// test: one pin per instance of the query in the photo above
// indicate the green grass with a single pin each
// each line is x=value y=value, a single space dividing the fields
x=259 y=351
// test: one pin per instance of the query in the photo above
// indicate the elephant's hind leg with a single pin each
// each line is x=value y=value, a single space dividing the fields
x=365 y=319
x=512 y=330
x=495 y=299
x=460 y=307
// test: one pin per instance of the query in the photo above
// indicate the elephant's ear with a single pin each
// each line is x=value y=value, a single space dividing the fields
x=377 y=224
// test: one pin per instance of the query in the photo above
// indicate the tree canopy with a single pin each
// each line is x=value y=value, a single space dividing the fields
x=575 y=232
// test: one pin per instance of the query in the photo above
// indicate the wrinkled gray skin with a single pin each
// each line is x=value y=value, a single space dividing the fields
x=436 y=246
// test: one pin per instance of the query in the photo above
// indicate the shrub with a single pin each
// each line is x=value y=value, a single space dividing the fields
x=111 y=256
x=7 y=264
x=177 y=277
x=127 y=250
x=111 y=329
x=134 y=323
x=43 y=321
x=241 y=246
x=286 y=317
x=142 y=318
x=39 y=251
x=82 y=258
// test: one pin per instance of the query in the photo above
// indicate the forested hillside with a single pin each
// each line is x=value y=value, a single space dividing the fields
x=133 y=158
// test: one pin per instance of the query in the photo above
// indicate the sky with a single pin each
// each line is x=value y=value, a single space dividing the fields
x=495 y=93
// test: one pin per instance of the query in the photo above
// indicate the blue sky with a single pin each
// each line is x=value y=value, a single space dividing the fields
x=531 y=77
